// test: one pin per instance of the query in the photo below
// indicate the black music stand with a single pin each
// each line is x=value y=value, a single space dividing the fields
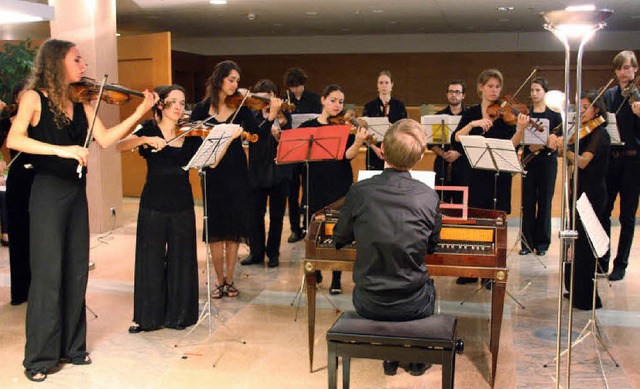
x=439 y=129
x=311 y=144
x=209 y=154
x=492 y=154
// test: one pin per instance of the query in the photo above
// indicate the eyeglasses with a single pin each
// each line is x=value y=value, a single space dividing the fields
x=454 y=92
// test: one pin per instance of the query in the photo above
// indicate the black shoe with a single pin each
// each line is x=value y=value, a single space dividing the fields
x=251 y=260
x=38 y=375
x=178 y=327
x=617 y=274
x=295 y=236
x=18 y=300
x=525 y=251
x=390 y=367
x=465 y=280
x=542 y=252
x=487 y=282
x=335 y=288
x=137 y=329
x=417 y=369
x=4 y=242
x=566 y=295
x=274 y=261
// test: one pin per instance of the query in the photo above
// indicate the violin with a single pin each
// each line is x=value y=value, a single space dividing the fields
x=630 y=92
x=355 y=125
x=586 y=128
x=255 y=101
x=508 y=110
x=198 y=129
x=88 y=89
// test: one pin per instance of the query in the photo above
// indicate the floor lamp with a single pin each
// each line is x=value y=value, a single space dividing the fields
x=572 y=24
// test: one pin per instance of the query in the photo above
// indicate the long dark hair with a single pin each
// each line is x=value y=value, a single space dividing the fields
x=599 y=104
x=163 y=91
x=214 y=83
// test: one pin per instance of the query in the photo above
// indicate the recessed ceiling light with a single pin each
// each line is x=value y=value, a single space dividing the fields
x=118 y=34
x=393 y=22
x=311 y=13
x=377 y=11
x=586 y=7
x=218 y=2
x=505 y=8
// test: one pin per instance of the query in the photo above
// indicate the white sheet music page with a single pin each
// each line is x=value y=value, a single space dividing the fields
x=475 y=147
x=612 y=129
x=534 y=137
x=377 y=126
x=298 y=118
x=596 y=234
x=438 y=127
x=504 y=152
x=214 y=146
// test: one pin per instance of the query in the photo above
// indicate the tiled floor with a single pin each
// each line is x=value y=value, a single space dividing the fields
x=256 y=343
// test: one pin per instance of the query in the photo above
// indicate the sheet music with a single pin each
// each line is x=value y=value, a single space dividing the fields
x=534 y=137
x=595 y=233
x=298 y=118
x=377 y=127
x=438 y=127
x=214 y=146
x=426 y=177
x=491 y=154
x=612 y=129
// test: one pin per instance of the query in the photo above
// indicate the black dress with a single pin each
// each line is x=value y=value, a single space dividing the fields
x=592 y=182
x=19 y=181
x=538 y=186
x=375 y=109
x=227 y=185
x=166 y=275
x=328 y=180
x=481 y=182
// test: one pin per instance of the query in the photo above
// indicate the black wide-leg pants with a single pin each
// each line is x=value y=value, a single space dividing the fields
x=18 y=191
x=166 y=269
x=56 y=325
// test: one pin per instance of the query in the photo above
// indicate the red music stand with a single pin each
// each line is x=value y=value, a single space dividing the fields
x=309 y=144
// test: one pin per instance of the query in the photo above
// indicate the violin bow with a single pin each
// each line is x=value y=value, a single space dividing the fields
x=533 y=72
x=195 y=125
x=600 y=93
x=240 y=105
x=87 y=140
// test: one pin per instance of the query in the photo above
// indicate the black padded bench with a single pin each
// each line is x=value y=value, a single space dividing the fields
x=429 y=340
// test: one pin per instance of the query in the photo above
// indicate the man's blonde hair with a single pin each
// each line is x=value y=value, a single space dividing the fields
x=404 y=144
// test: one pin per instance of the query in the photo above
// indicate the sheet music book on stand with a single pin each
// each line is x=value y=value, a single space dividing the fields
x=312 y=144
x=534 y=137
x=377 y=126
x=491 y=154
x=439 y=128
x=214 y=146
x=612 y=129
x=595 y=232
x=298 y=118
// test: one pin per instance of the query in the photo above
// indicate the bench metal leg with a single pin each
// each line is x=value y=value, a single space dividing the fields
x=332 y=365
x=346 y=372
x=448 y=368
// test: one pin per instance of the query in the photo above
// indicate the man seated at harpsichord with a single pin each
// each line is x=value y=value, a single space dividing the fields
x=395 y=221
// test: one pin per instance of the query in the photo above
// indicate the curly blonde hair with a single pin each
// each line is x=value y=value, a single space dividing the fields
x=48 y=74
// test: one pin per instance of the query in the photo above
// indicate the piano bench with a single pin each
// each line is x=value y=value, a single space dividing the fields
x=429 y=340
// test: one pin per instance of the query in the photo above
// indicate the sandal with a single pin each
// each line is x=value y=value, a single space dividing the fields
x=37 y=375
x=230 y=290
x=81 y=360
x=217 y=292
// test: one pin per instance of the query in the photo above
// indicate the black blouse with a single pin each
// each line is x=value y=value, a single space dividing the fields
x=375 y=109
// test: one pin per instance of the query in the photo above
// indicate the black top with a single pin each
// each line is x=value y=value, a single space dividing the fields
x=548 y=119
x=628 y=122
x=227 y=185
x=167 y=188
x=592 y=180
x=328 y=180
x=72 y=134
x=481 y=182
x=309 y=102
x=395 y=221
x=375 y=109
x=263 y=171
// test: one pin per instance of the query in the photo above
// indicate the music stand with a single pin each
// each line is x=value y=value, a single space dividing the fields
x=491 y=154
x=599 y=243
x=209 y=154
x=612 y=129
x=309 y=144
x=439 y=129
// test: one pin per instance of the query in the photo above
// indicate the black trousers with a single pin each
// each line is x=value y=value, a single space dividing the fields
x=166 y=276
x=294 y=197
x=584 y=266
x=623 y=178
x=59 y=223
x=373 y=162
x=449 y=175
x=18 y=192
x=277 y=196
x=537 y=195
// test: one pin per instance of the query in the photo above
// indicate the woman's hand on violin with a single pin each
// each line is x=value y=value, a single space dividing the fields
x=378 y=151
x=150 y=99
x=155 y=141
x=523 y=121
x=361 y=135
x=635 y=107
x=534 y=148
x=552 y=142
x=274 y=107
x=275 y=131
x=485 y=124
x=79 y=153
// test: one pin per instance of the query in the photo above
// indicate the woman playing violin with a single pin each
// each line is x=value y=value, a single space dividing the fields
x=227 y=185
x=166 y=268
x=52 y=129
x=476 y=121
x=383 y=106
x=592 y=162
x=539 y=182
x=331 y=180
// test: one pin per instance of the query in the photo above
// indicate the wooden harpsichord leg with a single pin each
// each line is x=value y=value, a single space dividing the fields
x=310 y=278
x=497 y=309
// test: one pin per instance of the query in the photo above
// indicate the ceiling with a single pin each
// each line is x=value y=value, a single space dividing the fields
x=242 y=18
